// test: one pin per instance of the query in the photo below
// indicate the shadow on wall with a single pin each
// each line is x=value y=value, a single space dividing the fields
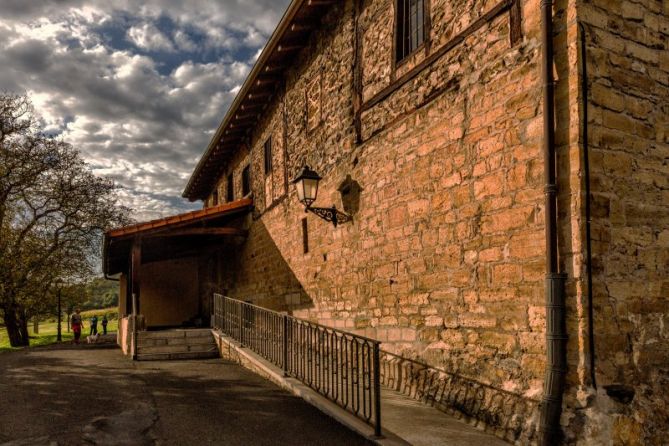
x=350 y=191
x=255 y=271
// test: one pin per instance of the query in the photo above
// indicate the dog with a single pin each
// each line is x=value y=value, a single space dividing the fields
x=92 y=339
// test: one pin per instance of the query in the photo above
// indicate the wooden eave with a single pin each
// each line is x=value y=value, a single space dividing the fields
x=289 y=37
x=180 y=220
x=186 y=232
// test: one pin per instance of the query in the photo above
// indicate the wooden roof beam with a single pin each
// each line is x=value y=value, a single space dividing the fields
x=320 y=2
x=243 y=121
x=289 y=47
x=268 y=81
x=251 y=106
x=239 y=125
x=261 y=94
x=202 y=231
x=242 y=117
x=301 y=27
x=234 y=132
x=271 y=68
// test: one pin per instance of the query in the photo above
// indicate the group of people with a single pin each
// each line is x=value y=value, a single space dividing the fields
x=77 y=324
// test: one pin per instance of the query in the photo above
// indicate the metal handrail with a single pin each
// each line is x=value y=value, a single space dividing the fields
x=342 y=366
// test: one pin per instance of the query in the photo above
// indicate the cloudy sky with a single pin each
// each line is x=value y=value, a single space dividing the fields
x=137 y=86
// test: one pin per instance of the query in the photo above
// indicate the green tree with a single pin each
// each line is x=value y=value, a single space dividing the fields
x=53 y=213
x=101 y=293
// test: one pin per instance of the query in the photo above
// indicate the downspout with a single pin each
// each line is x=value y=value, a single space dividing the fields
x=588 y=217
x=556 y=333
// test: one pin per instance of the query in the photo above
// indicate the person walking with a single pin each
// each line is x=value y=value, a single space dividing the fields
x=77 y=323
x=104 y=324
x=94 y=325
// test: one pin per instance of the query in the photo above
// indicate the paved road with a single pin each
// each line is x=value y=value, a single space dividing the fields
x=93 y=396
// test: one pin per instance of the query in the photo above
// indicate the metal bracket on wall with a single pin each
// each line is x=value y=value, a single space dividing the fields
x=330 y=214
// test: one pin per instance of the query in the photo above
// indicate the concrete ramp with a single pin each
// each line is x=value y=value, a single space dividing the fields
x=406 y=421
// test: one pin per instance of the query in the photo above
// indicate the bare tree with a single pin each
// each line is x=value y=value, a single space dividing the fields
x=53 y=212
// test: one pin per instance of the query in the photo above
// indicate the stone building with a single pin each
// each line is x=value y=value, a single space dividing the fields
x=425 y=120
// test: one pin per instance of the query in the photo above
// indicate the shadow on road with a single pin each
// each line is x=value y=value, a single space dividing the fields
x=98 y=397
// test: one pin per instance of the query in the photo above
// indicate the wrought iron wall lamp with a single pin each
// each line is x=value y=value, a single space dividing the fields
x=306 y=183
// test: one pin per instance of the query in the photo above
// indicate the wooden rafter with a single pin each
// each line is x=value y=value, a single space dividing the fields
x=289 y=47
x=300 y=27
x=202 y=231
x=320 y=2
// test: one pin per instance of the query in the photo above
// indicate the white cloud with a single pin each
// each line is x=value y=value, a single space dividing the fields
x=150 y=38
x=184 y=42
x=133 y=120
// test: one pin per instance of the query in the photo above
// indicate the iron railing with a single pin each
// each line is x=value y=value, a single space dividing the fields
x=341 y=366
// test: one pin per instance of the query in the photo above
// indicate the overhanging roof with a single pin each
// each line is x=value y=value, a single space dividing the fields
x=290 y=36
x=186 y=231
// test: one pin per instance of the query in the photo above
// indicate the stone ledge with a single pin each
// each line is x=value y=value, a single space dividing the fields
x=232 y=351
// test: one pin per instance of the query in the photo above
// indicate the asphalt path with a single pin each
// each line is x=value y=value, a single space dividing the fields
x=97 y=397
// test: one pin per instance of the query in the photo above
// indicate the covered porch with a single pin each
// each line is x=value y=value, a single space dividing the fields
x=159 y=266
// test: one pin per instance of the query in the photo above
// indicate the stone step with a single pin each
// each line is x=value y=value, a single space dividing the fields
x=177 y=348
x=175 y=341
x=179 y=355
x=186 y=333
x=176 y=344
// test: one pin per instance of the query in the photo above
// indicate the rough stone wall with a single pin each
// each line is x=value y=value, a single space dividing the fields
x=444 y=260
x=271 y=187
x=260 y=273
x=377 y=38
x=235 y=166
x=628 y=126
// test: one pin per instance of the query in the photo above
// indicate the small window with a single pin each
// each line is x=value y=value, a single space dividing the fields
x=246 y=181
x=268 y=156
x=214 y=198
x=305 y=236
x=230 y=189
x=410 y=32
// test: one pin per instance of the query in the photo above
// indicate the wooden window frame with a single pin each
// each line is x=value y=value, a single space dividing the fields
x=425 y=42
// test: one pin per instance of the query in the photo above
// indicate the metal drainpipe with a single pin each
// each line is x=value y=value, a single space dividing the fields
x=588 y=217
x=556 y=333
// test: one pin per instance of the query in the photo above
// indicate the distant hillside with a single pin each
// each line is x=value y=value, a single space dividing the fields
x=100 y=293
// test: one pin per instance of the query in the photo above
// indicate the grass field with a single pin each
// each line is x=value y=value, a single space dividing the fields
x=48 y=330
